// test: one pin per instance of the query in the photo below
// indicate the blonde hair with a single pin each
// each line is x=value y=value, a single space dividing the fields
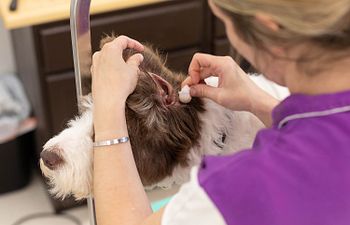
x=325 y=23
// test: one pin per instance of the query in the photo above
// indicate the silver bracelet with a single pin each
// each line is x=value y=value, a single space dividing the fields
x=111 y=142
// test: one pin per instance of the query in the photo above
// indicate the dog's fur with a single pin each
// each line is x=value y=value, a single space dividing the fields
x=167 y=137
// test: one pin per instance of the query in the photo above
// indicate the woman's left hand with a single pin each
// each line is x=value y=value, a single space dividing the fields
x=113 y=79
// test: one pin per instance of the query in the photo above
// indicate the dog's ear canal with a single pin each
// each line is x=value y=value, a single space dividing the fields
x=166 y=90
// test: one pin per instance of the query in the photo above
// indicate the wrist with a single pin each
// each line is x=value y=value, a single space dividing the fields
x=262 y=105
x=109 y=135
x=110 y=131
x=109 y=103
x=110 y=123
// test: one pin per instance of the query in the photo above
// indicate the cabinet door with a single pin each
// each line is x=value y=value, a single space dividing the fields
x=62 y=101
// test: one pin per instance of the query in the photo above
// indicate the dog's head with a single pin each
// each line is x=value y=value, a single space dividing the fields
x=162 y=130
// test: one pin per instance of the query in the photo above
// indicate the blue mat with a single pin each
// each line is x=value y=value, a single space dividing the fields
x=159 y=204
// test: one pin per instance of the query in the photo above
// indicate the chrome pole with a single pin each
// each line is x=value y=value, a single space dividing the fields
x=81 y=44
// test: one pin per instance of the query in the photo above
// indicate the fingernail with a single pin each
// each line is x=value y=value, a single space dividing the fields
x=141 y=57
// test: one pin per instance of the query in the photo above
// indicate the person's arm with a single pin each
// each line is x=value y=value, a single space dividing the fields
x=262 y=106
x=235 y=90
x=118 y=191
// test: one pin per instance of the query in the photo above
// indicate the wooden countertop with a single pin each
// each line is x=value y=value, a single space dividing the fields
x=33 y=12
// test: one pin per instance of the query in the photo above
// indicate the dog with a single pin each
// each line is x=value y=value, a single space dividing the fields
x=167 y=137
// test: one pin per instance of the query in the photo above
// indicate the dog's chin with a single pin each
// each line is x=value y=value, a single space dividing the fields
x=59 y=187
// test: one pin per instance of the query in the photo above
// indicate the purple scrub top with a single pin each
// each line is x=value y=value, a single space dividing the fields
x=297 y=173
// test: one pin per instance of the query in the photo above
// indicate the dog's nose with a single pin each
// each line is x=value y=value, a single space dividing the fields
x=51 y=159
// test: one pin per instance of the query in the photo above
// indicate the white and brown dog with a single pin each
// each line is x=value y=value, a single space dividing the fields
x=167 y=136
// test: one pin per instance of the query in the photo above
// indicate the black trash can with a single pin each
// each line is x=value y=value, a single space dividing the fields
x=16 y=161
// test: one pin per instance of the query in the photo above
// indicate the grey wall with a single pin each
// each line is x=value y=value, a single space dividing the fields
x=7 y=63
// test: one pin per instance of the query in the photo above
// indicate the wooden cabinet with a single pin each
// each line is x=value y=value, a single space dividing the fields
x=171 y=26
x=179 y=28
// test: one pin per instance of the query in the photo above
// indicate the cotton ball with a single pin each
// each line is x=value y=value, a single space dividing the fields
x=184 y=94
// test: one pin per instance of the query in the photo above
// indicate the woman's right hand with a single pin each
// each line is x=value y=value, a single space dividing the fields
x=235 y=90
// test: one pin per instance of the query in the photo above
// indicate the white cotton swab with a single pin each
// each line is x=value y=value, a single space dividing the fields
x=184 y=94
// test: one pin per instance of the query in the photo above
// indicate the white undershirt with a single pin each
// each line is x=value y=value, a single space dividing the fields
x=191 y=205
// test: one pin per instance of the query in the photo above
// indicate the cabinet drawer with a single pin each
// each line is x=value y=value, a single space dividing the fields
x=170 y=25
x=62 y=101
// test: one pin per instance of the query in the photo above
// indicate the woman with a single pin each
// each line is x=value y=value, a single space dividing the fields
x=296 y=173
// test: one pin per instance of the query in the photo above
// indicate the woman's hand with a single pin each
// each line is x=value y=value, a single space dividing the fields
x=235 y=90
x=113 y=79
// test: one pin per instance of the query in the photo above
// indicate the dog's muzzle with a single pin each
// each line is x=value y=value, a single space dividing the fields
x=51 y=160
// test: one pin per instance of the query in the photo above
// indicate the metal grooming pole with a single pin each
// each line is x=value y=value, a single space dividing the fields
x=81 y=43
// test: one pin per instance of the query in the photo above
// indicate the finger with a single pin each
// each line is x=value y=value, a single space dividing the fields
x=187 y=81
x=201 y=67
x=135 y=60
x=203 y=74
x=95 y=60
x=203 y=90
x=207 y=72
x=124 y=42
x=95 y=57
